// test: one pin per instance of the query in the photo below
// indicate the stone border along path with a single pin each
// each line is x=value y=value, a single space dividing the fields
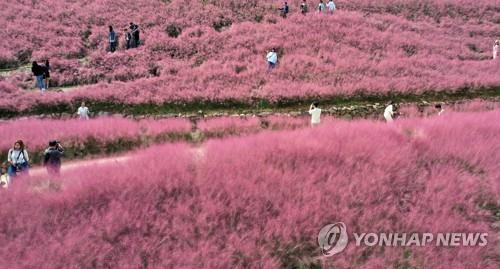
x=350 y=111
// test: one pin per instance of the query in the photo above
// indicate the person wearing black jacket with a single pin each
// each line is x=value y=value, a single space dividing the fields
x=46 y=75
x=39 y=72
x=112 y=39
x=134 y=28
x=52 y=158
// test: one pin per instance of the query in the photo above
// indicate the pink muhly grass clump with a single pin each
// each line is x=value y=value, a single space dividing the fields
x=37 y=132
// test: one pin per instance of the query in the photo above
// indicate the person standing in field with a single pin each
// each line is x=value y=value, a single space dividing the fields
x=496 y=49
x=389 y=112
x=272 y=59
x=128 y=39
x=439 y=109
x=331 y=6
x=321 y=6
x=315 y=113
x=18 y=160
x=83 y=112
x=46 y=75
x=38 y=72
x=303 y=7
x=112 y=39
x=134 y=28
x=284 y=10
x=52 y=158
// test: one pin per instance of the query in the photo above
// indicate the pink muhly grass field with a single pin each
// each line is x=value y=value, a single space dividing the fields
x=381 y=47
x=36 y=133
x=260 y=201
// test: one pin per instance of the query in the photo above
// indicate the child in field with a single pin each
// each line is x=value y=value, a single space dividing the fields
x=112 y=39
x=321 y=6
x=496 y=50
x=4 y=176
x=389 y=112
x=303 y=7
x=315 y=113
x=38 y=72
x=272 y=59
x=331 y=6
x=83 y=112
x=52 y=158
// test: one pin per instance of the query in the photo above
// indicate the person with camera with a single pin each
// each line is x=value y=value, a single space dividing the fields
x=315 y=113
x=52 y=158
x=18 y=160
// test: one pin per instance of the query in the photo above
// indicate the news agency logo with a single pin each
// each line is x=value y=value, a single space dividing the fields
x=333 y=239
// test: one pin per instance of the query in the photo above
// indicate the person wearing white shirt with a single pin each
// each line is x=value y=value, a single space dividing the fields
x=315 y=113
x=83 y=112
x=440 y=109
x=331 y=6
x=496 y=50
x=321 y=6
x=18 y=160
x=389 y=113
x=272 y=59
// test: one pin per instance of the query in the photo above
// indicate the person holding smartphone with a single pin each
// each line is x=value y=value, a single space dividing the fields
x=52 y=158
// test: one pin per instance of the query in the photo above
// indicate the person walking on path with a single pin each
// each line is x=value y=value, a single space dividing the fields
x=52 y=158
x=315 y=113
x=321 y=6
x=38 y=72
x=112 y=39
x=46 y=75
x=83 y=112
x=496 y=50
x=18 y=160
x=389 y=112
x=272 y=59
x=303 y=7
x=331 y=6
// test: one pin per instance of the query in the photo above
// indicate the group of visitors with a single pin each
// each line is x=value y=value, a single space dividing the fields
x=132 y=37
x=42 y=75
x=18 y=162
x=322 y=7
x=390 y=112
x=304 y=7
